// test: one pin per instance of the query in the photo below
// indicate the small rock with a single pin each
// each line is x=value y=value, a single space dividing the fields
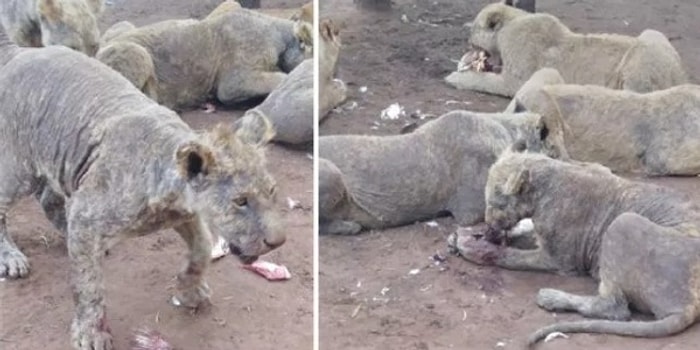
x=414 y=272
x=432 y=224
x=438 y=258
x=393 y=112
x=293 y=204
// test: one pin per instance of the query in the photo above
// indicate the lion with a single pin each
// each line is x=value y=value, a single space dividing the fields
x=111 y=163
x=369 y=182
x=519 y=43
x=36 y=23
x=332 y=91
x=234 y=57
x=640 y=241
x=629 y=132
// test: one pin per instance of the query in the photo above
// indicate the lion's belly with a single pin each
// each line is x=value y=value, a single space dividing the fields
x=396 y=182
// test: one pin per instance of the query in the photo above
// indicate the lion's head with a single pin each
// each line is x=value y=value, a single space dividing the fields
x=232 y=191
x=508 y=191
x=71 y=24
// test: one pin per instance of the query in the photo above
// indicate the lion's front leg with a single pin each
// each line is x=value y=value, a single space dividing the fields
x=239 y=85
x=333 y=94
x=486 y=82
x=482 y=252
x=193 y=291
x=89 y=330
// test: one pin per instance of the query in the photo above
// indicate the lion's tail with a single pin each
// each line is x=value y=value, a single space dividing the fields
x=667 y=326
x=8 y=49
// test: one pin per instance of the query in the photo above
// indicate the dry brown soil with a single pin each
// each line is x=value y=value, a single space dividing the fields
x=248 y=311
x=461 y=306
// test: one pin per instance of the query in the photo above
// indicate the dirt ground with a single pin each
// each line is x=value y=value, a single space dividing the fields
x=368 y=298
x=248 y=313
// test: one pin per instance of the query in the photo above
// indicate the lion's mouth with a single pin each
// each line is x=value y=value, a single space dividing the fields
x=479 y=60
x=245 y=259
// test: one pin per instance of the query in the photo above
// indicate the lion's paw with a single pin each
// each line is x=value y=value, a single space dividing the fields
x=13 y=264
x=90 y=337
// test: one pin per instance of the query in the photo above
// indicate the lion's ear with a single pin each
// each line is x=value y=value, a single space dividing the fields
x=254 y=128
x=326 y=29
x=494 y=21
x=304 y=32
x=517 y=182
x=194 y=159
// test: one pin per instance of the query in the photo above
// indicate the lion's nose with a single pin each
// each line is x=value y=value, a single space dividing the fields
x=275 y=242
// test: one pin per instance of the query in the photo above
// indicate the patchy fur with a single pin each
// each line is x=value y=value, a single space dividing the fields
x=526 y=42
x=108 y=163
x=651 y=133
x=36 y=23
x=370 y=182
x=224 y=8
x=115 y=30
x=234 y=57
x=641 y=241
x=332 y=91
x=304 y=13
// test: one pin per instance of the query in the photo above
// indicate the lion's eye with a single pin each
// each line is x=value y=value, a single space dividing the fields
x=273 y=190
x=492 y=24
x=241 y=201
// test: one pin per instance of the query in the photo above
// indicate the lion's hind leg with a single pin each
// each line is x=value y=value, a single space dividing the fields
x=332 y=200
x=134 y=62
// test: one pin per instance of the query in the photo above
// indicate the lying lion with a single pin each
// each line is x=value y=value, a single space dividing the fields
x=36 y=23
x=234 y=57
x=383 y=181
x=641 y=241
x=112 y=164
x=512 y=44
x=653 y=133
